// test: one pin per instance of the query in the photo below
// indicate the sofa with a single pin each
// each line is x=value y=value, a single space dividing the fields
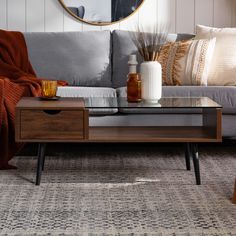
x=95 y=65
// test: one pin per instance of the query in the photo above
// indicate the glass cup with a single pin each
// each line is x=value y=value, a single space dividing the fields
x=49 y=88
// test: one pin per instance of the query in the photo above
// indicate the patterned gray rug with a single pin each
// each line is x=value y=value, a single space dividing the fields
x=123 y=191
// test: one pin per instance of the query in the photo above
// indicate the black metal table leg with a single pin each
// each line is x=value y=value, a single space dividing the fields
x=41 y=156
x=44 y=149
x=196 y=163
x=188 y=156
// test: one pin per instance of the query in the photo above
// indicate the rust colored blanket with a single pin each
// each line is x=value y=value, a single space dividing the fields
x=17 y=80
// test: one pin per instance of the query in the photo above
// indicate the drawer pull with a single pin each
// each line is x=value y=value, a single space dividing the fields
x=52 y=112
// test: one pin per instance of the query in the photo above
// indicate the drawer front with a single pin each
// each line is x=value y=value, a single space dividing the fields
x=52 y=125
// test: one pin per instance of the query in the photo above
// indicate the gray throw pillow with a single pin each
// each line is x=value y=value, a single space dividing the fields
x=80 y=58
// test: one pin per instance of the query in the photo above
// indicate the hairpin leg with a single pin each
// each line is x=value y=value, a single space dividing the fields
x=41 y=159
x=187 y=156
x=196 y=163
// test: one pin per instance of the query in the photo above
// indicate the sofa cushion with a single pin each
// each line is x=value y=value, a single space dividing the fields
x=225 y=96
x=186 y=62
x=81 y=58
x=123 y=46
x=222 y=68
x=87 y=92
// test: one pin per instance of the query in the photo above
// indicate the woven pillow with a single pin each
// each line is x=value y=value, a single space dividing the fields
x=186 y=62
x=223 y=68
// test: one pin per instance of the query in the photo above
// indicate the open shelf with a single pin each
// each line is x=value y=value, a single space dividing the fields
x=151 y=134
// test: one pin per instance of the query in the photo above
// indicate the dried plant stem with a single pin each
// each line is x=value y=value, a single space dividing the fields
x=149 y=44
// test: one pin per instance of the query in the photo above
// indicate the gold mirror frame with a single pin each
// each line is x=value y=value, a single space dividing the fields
x=98 y=23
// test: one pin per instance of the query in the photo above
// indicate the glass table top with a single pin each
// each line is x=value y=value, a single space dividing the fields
x=193 y=102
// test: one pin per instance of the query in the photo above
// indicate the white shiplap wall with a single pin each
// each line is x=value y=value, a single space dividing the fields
x=182 y=15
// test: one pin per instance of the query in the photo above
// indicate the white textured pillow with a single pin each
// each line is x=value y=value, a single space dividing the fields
x=223 y=65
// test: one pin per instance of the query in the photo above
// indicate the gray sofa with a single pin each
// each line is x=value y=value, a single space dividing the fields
x=95 y=64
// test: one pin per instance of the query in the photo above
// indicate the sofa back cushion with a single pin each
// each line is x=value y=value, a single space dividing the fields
x=123 y=46
x=80 y=58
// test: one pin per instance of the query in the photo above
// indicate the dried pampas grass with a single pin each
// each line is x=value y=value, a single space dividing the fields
x=149 y=43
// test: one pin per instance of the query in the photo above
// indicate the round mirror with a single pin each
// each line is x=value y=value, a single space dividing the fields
x=101 y=12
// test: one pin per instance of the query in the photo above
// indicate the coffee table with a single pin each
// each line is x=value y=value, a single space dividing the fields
x=67 y=120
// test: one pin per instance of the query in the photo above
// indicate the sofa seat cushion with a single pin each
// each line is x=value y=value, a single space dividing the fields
x=123 y=46
x=87 y=92
x=225 y=96
x=80 y=58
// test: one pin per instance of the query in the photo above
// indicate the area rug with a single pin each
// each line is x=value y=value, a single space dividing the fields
x=137 y=190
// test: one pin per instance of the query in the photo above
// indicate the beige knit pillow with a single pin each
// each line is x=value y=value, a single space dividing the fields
x=223 y=67
x=186 y=62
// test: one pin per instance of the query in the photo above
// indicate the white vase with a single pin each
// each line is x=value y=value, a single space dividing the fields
x=151 y=76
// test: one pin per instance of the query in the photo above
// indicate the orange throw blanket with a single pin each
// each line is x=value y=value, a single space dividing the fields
x=17 y=80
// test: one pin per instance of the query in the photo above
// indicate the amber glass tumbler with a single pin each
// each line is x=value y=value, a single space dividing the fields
x=49 y=88
x=134 y=88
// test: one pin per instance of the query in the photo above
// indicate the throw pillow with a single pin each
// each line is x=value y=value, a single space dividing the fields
x=223 y=67
x=186 y=62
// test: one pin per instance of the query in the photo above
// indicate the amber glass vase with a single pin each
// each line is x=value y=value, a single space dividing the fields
x=134 y=88
x=49 y=88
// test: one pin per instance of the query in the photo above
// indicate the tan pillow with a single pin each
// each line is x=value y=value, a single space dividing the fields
x=186 y=62
x=223 y=66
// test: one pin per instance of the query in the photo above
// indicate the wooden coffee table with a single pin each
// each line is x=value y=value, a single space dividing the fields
x=67 y=120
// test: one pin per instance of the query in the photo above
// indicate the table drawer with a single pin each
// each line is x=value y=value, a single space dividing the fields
x=52 y=125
